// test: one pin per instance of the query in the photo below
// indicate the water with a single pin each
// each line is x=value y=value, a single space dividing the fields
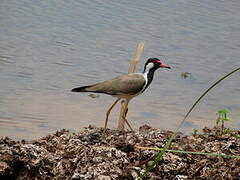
x=49 y=47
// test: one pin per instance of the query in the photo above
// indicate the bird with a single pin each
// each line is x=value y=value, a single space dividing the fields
x=125 y=86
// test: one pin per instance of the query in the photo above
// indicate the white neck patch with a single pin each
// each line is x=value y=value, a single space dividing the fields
x=148 y=67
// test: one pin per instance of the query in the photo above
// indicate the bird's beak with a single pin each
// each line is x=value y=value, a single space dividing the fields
x=165 y=66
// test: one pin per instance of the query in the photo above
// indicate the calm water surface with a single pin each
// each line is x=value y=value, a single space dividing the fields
x=49 y=47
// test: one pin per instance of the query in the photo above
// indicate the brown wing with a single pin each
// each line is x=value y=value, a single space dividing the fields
x=125 y=84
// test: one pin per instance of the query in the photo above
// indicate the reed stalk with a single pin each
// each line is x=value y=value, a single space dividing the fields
x=133 y=64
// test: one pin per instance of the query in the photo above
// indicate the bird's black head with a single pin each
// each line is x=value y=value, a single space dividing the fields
x=155 y=63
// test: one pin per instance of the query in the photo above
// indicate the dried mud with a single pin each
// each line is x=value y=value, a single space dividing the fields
x=85 y=155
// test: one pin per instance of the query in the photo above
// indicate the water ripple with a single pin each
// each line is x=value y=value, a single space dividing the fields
x=63 y=44
x=63 y=63
x=6 y=59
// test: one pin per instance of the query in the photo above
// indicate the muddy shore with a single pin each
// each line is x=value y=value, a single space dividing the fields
x=85 y=155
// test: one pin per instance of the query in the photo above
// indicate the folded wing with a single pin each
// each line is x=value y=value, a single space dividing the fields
x=128 y=84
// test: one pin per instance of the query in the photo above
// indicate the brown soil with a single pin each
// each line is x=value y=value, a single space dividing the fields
x=85 y=155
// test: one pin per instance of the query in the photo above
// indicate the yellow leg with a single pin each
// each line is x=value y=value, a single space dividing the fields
x=124 y=118
x=125 y=114
x=107 y=115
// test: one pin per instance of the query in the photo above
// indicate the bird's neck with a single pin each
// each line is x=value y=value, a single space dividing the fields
x=148 y=75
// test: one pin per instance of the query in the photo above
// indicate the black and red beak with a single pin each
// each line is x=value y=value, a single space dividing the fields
x=161 y=65
x=164 y=66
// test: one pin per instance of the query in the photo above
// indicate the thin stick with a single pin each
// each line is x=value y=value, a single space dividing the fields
x=121 y=122
x=133 y=64
x=136 y=58
x=189 y=152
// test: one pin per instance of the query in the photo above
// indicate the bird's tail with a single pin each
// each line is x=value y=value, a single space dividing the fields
x=81 y=89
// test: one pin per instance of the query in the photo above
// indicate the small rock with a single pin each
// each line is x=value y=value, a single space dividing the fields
x=76 y=176
x=4 y=167
x=102 y=177
x=181 y=177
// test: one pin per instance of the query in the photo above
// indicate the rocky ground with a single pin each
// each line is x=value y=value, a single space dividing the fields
x=85 y=155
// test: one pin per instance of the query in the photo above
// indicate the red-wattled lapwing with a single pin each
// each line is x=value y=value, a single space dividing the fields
x=125 y=86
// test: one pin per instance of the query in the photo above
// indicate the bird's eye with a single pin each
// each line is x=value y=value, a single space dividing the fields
x=157 y=61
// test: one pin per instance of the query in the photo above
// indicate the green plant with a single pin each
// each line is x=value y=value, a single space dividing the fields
x=194 y=131
x=168 y=144
x=222 y=117
x=226 y=131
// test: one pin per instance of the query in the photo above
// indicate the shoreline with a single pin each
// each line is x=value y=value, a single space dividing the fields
x=85 y=155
